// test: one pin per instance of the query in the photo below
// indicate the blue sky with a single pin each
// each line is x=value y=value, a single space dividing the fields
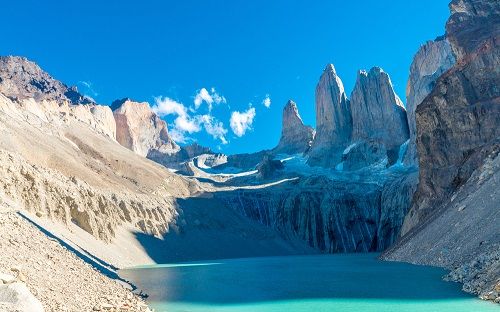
x=239 y=52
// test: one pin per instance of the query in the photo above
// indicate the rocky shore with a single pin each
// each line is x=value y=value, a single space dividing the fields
x=38 y=274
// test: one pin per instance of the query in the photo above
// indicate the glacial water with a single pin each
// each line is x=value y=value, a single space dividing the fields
x=304 y=283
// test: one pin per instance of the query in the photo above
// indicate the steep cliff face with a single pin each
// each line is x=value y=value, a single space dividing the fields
x=458 y=123
x=430 y=62
x=295 y=136
x=377 y=112
x=453 y=221
x=23 y=79
x=139 y=129
x=333 y=120
x=330 y=215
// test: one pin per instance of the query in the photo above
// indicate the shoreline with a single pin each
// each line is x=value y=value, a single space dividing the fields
x=54 y=273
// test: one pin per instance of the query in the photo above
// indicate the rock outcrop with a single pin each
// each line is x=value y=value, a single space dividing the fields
x=330 y=215
x=22 y=79
x=268 y=167
x=139 y=129
x=458 y=123
x=295 y=136
x=333 y=120
x=453 y=221
x=377 y=112
x=363 y=154
x=430 y=62
x=374 y=119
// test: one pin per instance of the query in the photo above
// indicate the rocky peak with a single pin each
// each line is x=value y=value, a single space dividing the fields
x=295 y=136
x=473 y=23
x=21 y=79
x=430 y=62
x=377 y=112
x=139 y=129
x=333 y=120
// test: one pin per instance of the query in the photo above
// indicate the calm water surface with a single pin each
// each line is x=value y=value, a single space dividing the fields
x=306 y=283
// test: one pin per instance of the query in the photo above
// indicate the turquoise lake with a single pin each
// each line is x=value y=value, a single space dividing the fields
x=357 y=282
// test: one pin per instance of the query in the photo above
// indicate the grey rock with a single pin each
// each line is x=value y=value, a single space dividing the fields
x=268 y=166
x=330 y=215
x=295 y=136
x=363 y=154
x=458 y=142
x=430 y=62
x=21 y=79
x=377 y=112
x=176 y=158
x=458 y=123
x=333 y=120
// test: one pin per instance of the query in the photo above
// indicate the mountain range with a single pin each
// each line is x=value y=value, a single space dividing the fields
x=417 y=183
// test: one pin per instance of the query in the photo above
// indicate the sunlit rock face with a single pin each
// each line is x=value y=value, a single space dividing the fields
x=458 y=123
x=374 y=119
x=295 y=136
x=139 y=129
x=22 y=79
x=333 y=120
x=430 y=62
x=377 y=112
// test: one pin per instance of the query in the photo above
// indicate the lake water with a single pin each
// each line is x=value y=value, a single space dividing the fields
x=305 y=283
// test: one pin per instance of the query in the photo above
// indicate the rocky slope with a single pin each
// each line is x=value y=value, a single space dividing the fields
x=295 y=136
x=462 y=234
x=23 y=79
x=453 y=221
x=458 y=122
x=430 y=62
x=45 y=267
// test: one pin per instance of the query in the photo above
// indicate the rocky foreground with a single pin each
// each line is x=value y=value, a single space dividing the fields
x=56 y=279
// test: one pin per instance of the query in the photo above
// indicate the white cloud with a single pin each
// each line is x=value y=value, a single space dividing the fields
x=166 y=106
x=267 y=101
x=177 y=136
x=241 y=122
x=88 y=88
x=203 y=95
x=214 y=127
x=185 y=123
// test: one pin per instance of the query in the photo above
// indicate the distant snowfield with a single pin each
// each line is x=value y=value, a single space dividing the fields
x=296 y=166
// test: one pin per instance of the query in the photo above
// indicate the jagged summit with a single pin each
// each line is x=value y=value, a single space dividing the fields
x=374 y=113
x=333 y=119
x=377 y=112
x=295 y=136
x=21 y=78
